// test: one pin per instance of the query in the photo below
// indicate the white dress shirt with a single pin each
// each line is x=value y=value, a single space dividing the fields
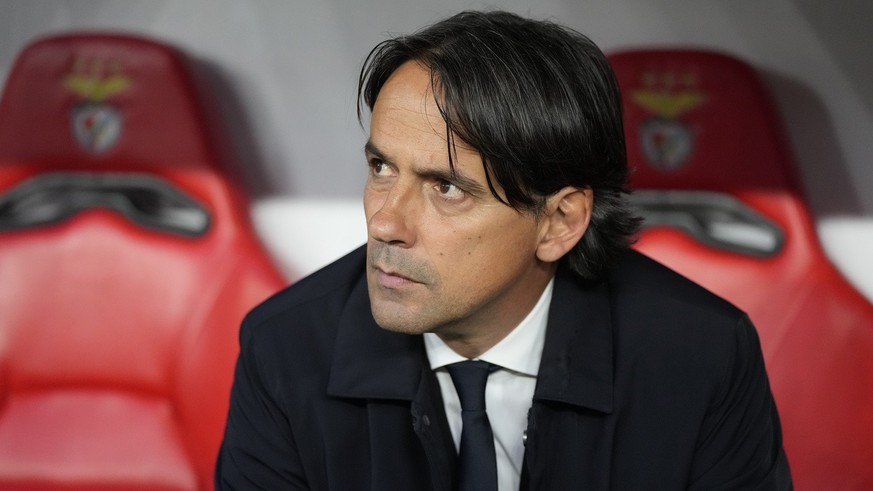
x=509 y=392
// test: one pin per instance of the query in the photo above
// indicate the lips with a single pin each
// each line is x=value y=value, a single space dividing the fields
x=391 y=279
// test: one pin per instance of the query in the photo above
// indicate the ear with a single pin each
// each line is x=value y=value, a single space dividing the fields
x=566 y=217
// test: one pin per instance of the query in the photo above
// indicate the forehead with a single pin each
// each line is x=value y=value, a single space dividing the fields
x=406 y=119
x=405 y=106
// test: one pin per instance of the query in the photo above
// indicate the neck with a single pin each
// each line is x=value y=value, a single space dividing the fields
x=471 y=339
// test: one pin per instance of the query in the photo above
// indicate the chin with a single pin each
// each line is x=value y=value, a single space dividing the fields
x=403 y=323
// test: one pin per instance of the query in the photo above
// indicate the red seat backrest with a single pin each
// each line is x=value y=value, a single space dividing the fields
x=718 y=188
x=127 y=261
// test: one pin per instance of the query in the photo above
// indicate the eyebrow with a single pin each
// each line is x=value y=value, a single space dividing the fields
x=371 y=148
x=449 y=175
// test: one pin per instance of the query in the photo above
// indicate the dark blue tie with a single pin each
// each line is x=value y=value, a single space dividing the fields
x=477 y=463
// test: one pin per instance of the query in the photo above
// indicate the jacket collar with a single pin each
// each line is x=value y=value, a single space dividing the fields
x=370 y=362
x=577 y=365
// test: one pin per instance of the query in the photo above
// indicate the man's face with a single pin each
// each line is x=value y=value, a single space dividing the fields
x=443 y=254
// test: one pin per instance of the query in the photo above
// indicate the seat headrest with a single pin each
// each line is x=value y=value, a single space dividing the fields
x=700 y=120
x=102 y=101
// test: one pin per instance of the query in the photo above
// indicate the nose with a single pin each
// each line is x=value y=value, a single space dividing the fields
x=391 y=216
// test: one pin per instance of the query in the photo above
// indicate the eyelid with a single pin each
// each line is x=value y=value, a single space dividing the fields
x=460 y=189
x=373 y=159
x=467 y=185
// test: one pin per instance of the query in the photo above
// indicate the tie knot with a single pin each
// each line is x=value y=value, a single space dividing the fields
x=470 y=378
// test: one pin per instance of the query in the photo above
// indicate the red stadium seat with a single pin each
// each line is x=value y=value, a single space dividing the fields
x=127 y=262
x=717 y=186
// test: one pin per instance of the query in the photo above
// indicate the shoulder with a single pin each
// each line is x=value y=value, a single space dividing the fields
x=665 y=320
x=304 y=316
x=335 y=279
x=687 y=362
x=641 y=286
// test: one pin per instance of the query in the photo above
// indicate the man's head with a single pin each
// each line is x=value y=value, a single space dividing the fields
x=494 y=142
x=538 y=102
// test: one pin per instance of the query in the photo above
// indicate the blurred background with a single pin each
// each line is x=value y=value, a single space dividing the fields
x=118 y=332
x=288 y=70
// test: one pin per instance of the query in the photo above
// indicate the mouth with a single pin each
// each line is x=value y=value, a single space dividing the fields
x=392 y=279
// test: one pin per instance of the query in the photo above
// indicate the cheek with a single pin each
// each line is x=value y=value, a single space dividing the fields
x=510 y=248
x=478 y=255
x=455 y=254
x=488 y=246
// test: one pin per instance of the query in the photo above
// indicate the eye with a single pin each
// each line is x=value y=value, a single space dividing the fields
x=378 y=168
x=449 y=191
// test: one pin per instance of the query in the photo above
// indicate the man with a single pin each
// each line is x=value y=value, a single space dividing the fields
x=498 y=233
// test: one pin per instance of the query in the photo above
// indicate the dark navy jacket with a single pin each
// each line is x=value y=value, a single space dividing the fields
x=647 y=381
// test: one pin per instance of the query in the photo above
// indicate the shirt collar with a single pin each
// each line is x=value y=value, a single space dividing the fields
x=520 y=351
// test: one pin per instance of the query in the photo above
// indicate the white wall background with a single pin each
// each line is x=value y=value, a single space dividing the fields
x=293 y=65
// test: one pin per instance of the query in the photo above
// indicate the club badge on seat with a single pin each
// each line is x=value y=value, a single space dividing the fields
x=96 y=124
x=666 y=141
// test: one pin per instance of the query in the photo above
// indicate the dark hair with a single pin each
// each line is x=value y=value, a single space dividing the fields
x=539 y=102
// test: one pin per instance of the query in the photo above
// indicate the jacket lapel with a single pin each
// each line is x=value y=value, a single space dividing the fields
x=577 y=362
x=370 y=362
x=409 y=436
x=569 y=435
